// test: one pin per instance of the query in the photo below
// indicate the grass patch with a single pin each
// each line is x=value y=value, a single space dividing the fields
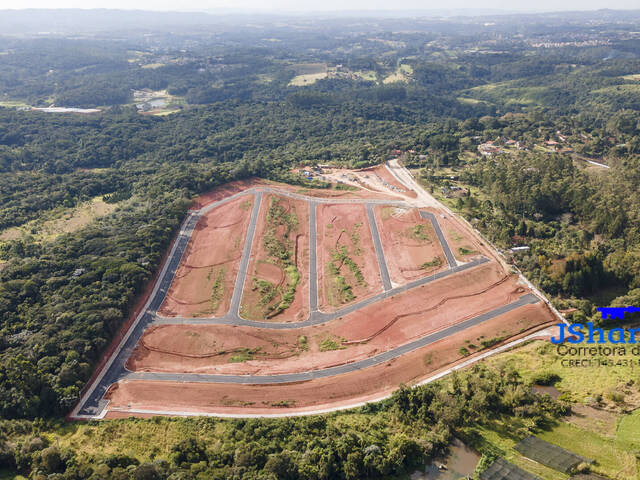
x=578 y=384
x=419 y=232
x=217 y=290
x=307 y=79
x=279 y=246
x=244 y=355
x=466 y=251
x=284 y=403
x=455 y=236
x=267 y=291
x=436 y=262
x=329 y=344
x=610 y=460
x=61 y=220
x=628 y=433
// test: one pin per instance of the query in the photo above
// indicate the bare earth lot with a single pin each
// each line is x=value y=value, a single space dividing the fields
x=291 y=300
x=210 y=262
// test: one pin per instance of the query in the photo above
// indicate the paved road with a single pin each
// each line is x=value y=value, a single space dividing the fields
x=377 y=244
x=313 y=258
x=92 y=404
x=114 y=370
x=316 y=317
x=451 y=259
x=246 y=255
x=341 y=369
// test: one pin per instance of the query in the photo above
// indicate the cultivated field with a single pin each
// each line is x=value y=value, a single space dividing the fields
x=280 y=300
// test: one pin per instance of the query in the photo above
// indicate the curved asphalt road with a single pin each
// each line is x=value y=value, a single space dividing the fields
x=527 y=299
x=91 y=404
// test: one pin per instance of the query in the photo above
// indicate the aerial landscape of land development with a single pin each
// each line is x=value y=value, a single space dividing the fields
x=280 y=300
x=338 y=240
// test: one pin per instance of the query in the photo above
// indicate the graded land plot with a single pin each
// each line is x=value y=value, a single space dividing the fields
x=411 y=247
x=464 y=245
x=375 y=180
x=358 y=192
x=364 y=385
x=237 y=350
x=204 y=282
x=383 y=175
x=348 y=268
x=277 y=284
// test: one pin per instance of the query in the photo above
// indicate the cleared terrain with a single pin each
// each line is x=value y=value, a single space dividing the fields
x=278 y=300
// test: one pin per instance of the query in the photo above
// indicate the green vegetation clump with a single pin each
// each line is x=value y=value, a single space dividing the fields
x=418 y=232
x=436 y=262
x=217 y=290
x=244 y=355
x=398 y=434
x=545 y=378
x=340 y=257
x=280 y=249
x=329 y=343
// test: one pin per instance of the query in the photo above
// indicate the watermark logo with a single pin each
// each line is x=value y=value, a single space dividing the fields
x=617 y=312
x=577 y=332
x=595 y=354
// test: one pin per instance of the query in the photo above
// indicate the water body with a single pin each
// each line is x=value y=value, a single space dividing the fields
x=460 y=462
x=67 y=110
x=546 y=390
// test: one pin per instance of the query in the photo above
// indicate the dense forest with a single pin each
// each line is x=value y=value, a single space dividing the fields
x=374 y=441
x=238 y=106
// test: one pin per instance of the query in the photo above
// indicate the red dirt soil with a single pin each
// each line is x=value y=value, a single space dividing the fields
x=237 y=186
x=336 y=225
x=459 y=237
x=191 y=291
x=387 y=177
x=260 y=267
x=405 y=254
x=365 y=385
x=370 y=331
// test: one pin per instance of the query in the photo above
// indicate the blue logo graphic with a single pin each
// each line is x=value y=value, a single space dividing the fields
x=616 y=312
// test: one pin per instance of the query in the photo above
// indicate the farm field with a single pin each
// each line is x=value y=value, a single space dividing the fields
x=280 y=300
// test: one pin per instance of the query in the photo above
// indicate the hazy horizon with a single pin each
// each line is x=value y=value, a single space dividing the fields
x=326 y=6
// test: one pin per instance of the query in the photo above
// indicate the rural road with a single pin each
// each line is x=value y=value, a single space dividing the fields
x=92 y=404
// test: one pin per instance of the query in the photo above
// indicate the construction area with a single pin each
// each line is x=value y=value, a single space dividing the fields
x=277 y=300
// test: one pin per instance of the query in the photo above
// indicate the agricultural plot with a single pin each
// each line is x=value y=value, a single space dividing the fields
x=275 y=299
x=550 y=455
x=503 y=470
